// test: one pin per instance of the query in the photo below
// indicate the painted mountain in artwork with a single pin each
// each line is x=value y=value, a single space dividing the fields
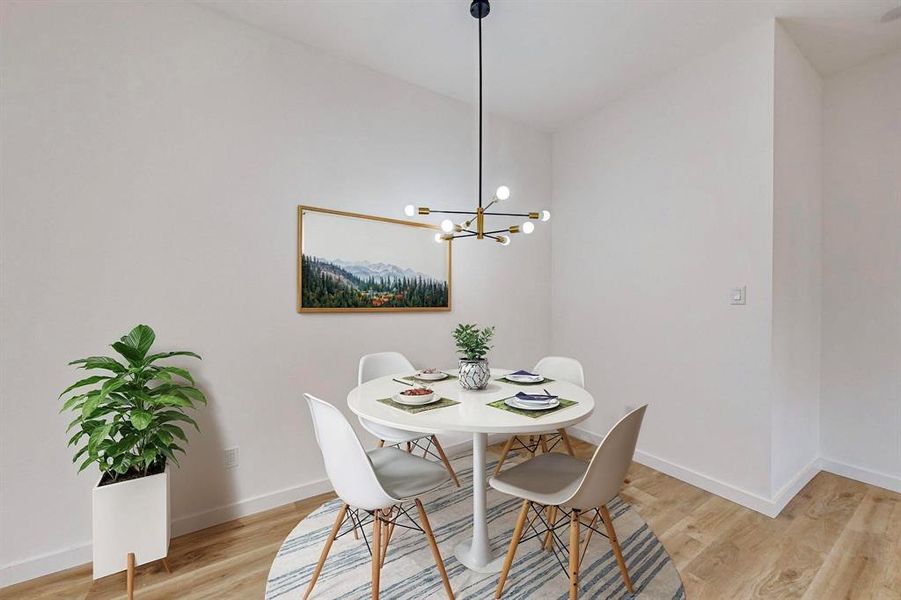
x=344 y=284
x=378 y=271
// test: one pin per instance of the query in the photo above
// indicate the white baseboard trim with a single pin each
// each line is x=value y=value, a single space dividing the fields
x=797 y=483
x=770 y=507
x=877 y=478
x=80 y=554
x=23 y=570
x=243 y=508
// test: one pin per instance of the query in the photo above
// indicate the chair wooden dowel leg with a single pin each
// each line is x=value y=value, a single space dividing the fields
x=551 y=519
x=325 y=550
x=504 y=453
x=409 y=448
x=617 y=552
x=446 y=462
x=511 y=552
x=566 y=443
x=381 y=443
x=533 y=445
x=574 y=555
x=543 y=443
x=389 y=531
x=130 y=576
x=376 y=553
x=427 y=527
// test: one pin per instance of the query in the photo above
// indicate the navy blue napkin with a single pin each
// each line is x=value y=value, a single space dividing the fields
x=534 y=397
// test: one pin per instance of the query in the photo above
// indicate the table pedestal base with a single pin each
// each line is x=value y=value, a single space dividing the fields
x=475 y=561
x=476 y=553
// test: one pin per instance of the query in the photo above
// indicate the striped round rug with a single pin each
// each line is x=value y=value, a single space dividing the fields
x=409 y=572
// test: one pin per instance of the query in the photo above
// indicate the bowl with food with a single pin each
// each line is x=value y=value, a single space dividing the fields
x=431 y=375
x=415 y=396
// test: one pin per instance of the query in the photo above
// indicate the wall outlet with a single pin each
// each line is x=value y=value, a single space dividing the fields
x=231 y=457
x=738 y=295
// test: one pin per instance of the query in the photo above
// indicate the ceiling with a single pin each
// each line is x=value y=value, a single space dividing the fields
x=548 y=63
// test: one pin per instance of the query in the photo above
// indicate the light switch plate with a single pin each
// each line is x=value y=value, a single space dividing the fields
x=738 y=295
x=231 y=457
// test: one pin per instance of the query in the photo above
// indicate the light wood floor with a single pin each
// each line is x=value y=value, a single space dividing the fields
x=837 y=539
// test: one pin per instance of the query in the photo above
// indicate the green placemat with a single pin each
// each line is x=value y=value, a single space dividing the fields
x=505 y=380
x=418 y=409
x=500 y=404
x=413 y=378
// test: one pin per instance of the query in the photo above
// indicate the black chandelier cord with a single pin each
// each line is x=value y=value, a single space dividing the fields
x=480 y=111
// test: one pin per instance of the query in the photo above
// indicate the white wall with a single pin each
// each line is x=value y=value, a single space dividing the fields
x=153 y=157
x=797 y=180
x=861 y=381
x=665 y=198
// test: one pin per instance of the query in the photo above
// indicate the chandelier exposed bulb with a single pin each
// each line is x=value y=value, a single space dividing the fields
x=502 y=193
x=528 y=227
x=447 y=226
x=503 y=240
x=545 y=215
x=409 y=210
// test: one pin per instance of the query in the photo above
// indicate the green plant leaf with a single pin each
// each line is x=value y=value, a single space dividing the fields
x=85 y=464
x=97 y=436
x=141 y=419
x=171 y=400
x=71 y=402
x=183 y=373
x=132 y=355
x=148 y=456
x=80 y=453
x=191 y=393
x=90 y=405
x=176 y=431
x=140 y=339
x=156 y=357
x=84 y=382
x=100 y=362
x=171 y=415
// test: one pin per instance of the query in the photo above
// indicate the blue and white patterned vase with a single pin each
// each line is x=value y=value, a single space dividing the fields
x=474 y=374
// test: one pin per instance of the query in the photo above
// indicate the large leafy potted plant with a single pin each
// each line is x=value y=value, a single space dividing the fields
x=130 y=424
x=473 y=345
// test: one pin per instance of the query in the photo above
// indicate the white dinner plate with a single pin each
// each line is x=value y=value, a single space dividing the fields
x=514 y=403
x=431 y=376
x=416 y=400
x=523 y=378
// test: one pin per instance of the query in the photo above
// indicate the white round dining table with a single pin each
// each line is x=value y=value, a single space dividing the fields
x=471 y=415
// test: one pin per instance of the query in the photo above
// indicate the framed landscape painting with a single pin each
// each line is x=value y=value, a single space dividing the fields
x=350 y=262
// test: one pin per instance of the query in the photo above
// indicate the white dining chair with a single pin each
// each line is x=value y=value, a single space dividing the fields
x=556 y=485
x=380 y=364
x=379 y=483
x=554 y=367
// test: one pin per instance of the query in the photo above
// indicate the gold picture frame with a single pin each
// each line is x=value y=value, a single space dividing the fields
x=307 y=303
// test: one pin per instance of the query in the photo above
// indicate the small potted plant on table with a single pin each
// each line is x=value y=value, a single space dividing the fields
x=130 y=426
x=473 y=345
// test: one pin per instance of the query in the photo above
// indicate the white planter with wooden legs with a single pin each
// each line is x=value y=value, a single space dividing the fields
x=130 y=517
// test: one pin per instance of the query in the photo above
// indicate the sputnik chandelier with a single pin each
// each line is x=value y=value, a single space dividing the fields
x=450 y=230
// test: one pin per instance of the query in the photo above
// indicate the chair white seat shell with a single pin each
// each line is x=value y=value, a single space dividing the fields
x=548 y=479
x=555 y=483
x=381 y=364
x=378 y=482
x=553 y=367
x=403 y=475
